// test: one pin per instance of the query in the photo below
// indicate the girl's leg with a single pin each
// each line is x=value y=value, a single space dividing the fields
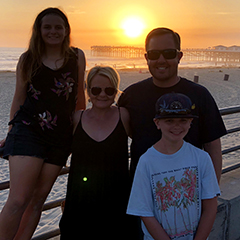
x=24 y=172
x=32 y=214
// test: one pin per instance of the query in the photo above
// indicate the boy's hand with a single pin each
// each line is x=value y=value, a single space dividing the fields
x=154 y=228
x=209 y=210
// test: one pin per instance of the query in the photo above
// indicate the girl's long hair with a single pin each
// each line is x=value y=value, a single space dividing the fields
x=32 y=58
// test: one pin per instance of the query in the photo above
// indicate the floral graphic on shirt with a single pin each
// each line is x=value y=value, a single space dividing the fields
x=177 y=196
x=34 y=92
x=63 y=85
x=26 y=123
x=46 y=120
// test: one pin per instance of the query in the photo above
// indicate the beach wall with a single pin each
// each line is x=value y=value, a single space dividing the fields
x=227 y=223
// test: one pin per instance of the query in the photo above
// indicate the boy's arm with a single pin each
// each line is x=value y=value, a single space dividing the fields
x=209 y=210
x=155 y=228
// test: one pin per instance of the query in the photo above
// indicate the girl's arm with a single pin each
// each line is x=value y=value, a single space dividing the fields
x=20 y=91
x=155 y=228
x=19 y=95
x=81 y=100
x=209 y=210
x=76 y=118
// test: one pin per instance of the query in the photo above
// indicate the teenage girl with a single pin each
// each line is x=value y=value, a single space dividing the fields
x=49 y=87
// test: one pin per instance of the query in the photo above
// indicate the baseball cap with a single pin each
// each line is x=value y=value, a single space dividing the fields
x=174 y=105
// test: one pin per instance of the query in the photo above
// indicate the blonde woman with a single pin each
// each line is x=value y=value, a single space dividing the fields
x=98 y=184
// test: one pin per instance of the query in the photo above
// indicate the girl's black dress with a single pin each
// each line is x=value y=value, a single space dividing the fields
x=98 y=187
x=43 y=126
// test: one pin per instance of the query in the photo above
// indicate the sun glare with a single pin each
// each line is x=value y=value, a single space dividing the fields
x=133 y=26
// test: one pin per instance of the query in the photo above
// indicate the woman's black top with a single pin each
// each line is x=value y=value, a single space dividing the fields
x=98 y=187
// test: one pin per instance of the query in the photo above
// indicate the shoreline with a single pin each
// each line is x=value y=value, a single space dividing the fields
x=7 y=71
x=135 y=69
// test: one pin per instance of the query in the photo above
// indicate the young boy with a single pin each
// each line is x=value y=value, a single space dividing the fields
x=175 y=188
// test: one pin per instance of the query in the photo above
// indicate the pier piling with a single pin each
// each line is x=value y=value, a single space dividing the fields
x=226 y=77
x=196 y=78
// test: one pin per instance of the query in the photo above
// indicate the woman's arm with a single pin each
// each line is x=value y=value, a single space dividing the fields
x=125 y=117
x=155 y=228
x=81 y=100
x=209 y=210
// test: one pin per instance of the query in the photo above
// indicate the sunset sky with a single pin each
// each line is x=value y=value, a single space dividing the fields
x=201 y=24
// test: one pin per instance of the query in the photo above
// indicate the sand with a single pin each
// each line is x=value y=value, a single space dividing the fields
x=226 y=94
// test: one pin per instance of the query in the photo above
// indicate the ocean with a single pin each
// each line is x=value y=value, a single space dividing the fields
x=9 y=58
x=226 y=94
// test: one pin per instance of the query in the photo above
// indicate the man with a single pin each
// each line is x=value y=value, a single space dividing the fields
x=163 y=56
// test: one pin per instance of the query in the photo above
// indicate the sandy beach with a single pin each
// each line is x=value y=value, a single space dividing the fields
x=226 y=94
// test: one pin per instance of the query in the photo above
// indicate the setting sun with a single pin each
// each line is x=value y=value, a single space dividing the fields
x=133 y=26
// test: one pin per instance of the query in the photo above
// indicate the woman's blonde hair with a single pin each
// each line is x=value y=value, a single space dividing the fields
x=106 y=71
x=32 y=58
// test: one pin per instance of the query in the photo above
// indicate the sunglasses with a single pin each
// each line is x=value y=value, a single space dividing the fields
x=167 y=54
x=108 y=90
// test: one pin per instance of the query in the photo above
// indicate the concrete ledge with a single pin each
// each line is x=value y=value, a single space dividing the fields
x=227 y=223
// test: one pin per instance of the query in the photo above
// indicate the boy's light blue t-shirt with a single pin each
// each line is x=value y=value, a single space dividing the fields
x=171 y=187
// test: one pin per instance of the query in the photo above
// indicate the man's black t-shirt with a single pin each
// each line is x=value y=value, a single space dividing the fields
x=140 y=99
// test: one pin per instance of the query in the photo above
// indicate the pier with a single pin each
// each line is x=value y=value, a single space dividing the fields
x=226 y=226
x=227 y=56
x=211 y=55
x=117 y=51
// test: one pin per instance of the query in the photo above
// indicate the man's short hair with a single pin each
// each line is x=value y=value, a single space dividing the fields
x=164 y=31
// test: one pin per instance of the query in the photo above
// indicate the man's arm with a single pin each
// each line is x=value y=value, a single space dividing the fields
x=209 y=210
x=154 y=228
x=215 y=151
